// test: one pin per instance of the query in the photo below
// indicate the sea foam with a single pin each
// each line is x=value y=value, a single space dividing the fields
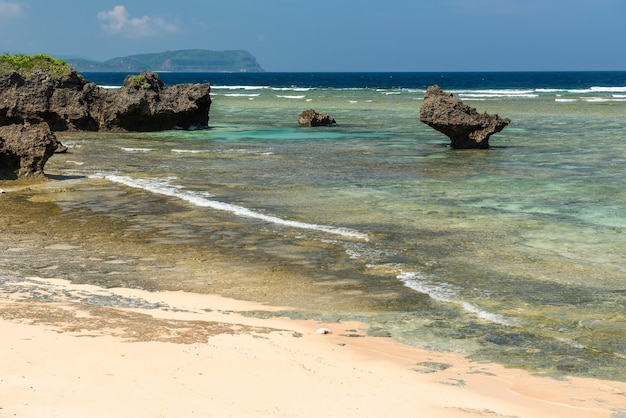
x=496 y=94
x=164 y=186
x=445 y=292
x=240 y=94
x=239 y=87
x=598 y=89
x=127 y=149
x=291 y=88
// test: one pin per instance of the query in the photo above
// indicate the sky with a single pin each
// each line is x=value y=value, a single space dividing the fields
x=332 y=35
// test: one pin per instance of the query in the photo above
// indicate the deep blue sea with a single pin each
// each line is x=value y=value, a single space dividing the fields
x=576 y=80
x=514 y=254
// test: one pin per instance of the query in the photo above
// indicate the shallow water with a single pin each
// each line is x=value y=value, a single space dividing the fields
x=512 y=254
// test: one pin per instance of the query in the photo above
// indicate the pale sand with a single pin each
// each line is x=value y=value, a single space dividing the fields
x=67 y=359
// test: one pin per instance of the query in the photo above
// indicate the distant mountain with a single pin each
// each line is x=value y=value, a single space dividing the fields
x=189 y=60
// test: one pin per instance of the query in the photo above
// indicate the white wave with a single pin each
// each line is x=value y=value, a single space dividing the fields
x=138 y=149
x=191 y=151
x=496 y=96
x=442 y=292
x=549 y=90
x=571 y=343
x=497 y=93
x=598 y=89
x=231 y=150
x=487 y=316
x=290 y=97
x=602 y=100
x=350 y=89
x=240 y=95
x=445 y=292
x=609 y=89
x=593 y=99
x=164 y=187
x=291 y=88
x=239 y=87
x=245 y=151
x=110 y=87
x=504 y=92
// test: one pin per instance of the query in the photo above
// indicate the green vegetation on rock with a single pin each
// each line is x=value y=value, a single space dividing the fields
x=139 y=79
x=28 y=64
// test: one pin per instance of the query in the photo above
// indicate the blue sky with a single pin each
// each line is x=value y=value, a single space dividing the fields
x=333 y=35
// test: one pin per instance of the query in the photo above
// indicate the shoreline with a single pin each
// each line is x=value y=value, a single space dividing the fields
x=177 y=353
x=204 y=355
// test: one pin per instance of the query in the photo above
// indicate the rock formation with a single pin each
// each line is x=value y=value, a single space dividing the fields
x=24 y=149
x=312 y=118
x=72 y=103
x=33 y=106
x=465 y=127
x=144 y=103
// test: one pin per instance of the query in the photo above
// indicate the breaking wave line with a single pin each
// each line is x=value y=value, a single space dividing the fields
x=164 y=187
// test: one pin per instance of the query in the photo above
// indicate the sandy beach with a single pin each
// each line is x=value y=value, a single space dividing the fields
x=203 y=355
x=76 y=350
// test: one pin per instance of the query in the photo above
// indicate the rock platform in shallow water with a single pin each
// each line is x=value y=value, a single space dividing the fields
x=465 y=127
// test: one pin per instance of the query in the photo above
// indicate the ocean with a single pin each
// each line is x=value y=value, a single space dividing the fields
x=513 y=254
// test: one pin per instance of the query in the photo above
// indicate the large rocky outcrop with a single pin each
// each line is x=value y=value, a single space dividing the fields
x=312 y=118
x=64 y=103
x=144 y=103
x=465 y=127
x=33 y=106
x=24 y=149
x=72 y=103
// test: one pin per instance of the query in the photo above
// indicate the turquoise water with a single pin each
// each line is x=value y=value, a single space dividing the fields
x=513 y=254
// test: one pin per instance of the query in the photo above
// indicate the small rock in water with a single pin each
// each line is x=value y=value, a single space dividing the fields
x=312 y=118
x=323 y=331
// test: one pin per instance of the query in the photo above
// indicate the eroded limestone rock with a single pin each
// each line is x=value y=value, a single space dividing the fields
x=465 y=127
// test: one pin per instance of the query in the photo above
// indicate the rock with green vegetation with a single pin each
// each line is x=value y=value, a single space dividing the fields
x=70 y=103
x=144 y=103
x=144 y=81
x=188 y=60
x=64 y=101
x=27 y=64
x=40 y=95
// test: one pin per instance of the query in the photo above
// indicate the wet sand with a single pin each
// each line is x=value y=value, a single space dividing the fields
x=76 y=349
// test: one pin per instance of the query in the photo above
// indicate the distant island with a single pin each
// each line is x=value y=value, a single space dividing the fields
x=188 y=60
